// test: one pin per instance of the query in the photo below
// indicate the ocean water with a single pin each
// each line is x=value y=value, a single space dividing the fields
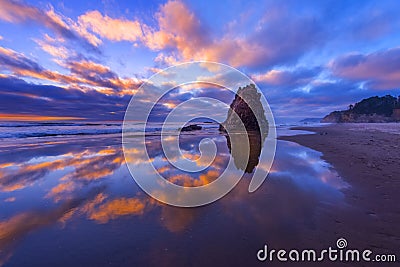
x=67 y=198
x=17 y=130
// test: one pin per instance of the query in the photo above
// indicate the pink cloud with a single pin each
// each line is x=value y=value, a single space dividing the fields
x=179 y=35
x=178 y=28
x=54 y=47
x=277 y=38
x=273 y=77
x=380 y=69
x=296 y=77
x=110 y=28
x=84 y=75
x=16 y=12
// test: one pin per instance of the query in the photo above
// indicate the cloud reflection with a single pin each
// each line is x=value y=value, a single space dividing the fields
x=85 y=180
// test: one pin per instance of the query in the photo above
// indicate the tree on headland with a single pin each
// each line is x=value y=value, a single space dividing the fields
x=376 y=105
x=372 y=109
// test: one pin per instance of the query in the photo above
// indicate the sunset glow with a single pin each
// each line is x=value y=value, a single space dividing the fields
x=28 y=117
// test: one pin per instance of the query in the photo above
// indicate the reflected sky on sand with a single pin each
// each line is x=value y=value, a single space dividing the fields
x=71 y=201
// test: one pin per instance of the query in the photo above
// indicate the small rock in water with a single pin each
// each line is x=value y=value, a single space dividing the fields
x=193 y=127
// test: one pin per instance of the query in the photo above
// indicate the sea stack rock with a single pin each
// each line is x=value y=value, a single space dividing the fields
x=246 y=97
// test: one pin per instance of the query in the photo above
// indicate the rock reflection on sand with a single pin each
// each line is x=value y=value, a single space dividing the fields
x=66 y=193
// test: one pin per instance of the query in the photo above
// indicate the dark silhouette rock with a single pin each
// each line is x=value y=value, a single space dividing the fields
x=245 y=98
x=193 y=127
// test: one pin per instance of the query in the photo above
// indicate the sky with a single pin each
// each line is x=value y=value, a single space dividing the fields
x=86 y=59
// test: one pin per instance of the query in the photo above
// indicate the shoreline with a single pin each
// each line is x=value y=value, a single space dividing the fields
x=367 y=157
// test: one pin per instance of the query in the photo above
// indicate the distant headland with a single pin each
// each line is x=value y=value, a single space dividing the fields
x=374 y=109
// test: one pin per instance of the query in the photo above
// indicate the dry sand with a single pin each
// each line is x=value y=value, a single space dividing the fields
x=367 y=156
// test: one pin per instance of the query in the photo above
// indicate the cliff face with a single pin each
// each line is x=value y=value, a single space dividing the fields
x=396 y=114
x=373 y=109
x=344 y=116
x=245 y=97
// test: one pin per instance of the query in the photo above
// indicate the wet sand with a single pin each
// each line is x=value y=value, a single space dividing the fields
x=367 y=157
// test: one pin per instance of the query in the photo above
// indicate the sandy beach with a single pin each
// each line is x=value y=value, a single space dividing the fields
x=367 y=157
